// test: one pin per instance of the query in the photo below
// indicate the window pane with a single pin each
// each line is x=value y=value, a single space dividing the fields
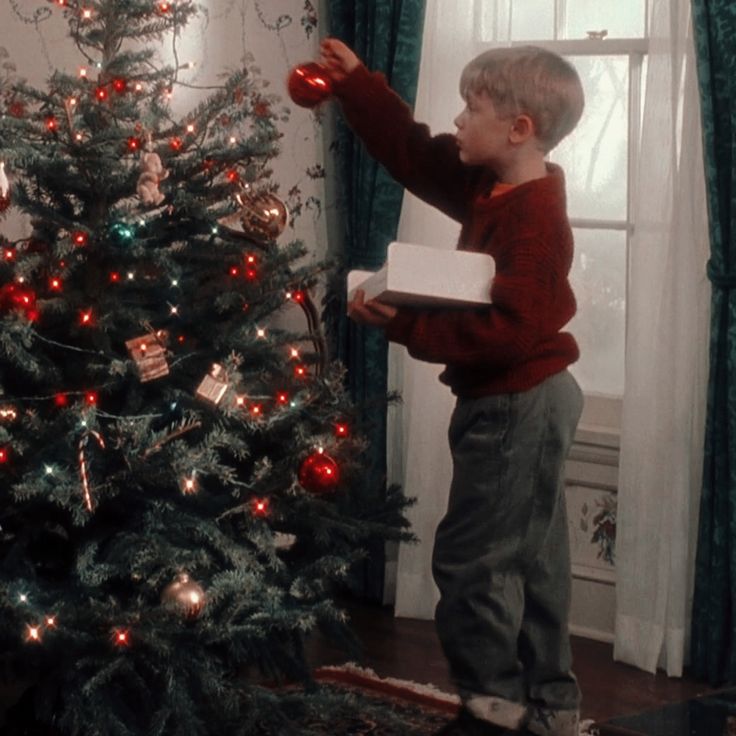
x=595 y=155
x=532 y=20
x=506 y=20
x=622 y=18
x=599 y=280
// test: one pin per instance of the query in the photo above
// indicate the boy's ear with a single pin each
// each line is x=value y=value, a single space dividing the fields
x=522 y=129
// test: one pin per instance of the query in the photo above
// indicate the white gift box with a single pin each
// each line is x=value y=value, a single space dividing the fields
x=417 y=275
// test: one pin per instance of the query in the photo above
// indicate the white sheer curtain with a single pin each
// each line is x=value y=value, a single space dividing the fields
x=666 y=366
x=418 y=456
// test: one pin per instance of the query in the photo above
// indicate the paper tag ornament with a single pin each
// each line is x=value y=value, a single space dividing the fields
x=149 y=354
x=213 y=385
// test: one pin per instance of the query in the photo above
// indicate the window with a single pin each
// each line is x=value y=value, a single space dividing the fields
x=607 y=43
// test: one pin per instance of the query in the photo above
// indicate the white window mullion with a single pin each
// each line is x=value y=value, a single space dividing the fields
x=560 y=18
x=636 y=63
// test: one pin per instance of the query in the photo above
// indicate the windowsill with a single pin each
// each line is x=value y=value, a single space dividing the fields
x=598 y=435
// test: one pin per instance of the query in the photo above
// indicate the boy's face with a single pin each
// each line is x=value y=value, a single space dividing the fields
x=483 y=138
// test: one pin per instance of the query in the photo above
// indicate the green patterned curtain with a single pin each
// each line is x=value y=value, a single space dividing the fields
x=387 y=36
x=714 y=611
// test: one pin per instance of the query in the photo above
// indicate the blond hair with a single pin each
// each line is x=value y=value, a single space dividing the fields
x=528 y=80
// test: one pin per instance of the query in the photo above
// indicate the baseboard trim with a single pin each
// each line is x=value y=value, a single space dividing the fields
x=585 y=632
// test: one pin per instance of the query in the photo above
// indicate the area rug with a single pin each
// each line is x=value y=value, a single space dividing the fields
x=415 y=709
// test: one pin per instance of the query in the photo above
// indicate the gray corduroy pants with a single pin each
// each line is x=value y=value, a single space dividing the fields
x=501 y=558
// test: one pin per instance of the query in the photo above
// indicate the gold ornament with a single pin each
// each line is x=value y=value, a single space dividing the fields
x=263 y=216
x=184 y=594
x=213 y=385
x=149 y=354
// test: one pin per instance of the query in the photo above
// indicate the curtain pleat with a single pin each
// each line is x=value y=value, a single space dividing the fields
x=713 y=649
x=387 y=36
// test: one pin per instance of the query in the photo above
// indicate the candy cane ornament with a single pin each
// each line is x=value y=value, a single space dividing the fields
x=83 y=465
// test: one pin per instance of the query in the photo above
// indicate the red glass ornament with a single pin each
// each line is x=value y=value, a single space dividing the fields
x=309 y=84
x=319 y=473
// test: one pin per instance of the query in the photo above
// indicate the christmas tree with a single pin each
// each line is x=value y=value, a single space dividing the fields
x=181 y=493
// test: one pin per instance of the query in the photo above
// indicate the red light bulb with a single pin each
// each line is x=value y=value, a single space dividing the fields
x=259 y=506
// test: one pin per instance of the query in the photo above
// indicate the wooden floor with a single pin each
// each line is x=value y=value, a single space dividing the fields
x=408 y=649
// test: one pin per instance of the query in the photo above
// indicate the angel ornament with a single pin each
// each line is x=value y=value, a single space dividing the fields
x=152 y=174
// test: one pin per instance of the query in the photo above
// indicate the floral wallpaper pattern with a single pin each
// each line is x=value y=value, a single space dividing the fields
x=592 y=525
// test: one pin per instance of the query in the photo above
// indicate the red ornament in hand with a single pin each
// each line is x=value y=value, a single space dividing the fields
x=319 y=473
x=309 y=84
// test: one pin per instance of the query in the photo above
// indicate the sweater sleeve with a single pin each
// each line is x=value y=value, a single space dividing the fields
x=522 y=313
x=428 y=166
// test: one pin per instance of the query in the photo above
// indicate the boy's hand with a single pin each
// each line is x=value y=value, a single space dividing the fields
x=337 y=58
x=372 y=313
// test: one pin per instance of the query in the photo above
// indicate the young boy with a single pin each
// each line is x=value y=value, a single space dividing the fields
x=501 y=553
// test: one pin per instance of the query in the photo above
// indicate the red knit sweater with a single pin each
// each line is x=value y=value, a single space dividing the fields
x=516 y=342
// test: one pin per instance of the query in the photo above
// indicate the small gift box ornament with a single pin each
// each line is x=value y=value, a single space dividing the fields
x=213 y=385
x=149 y=354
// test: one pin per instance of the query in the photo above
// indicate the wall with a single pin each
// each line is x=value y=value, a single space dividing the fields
x=591 y=482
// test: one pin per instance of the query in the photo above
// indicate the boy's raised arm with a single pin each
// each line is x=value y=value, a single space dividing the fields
x=429 y=166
